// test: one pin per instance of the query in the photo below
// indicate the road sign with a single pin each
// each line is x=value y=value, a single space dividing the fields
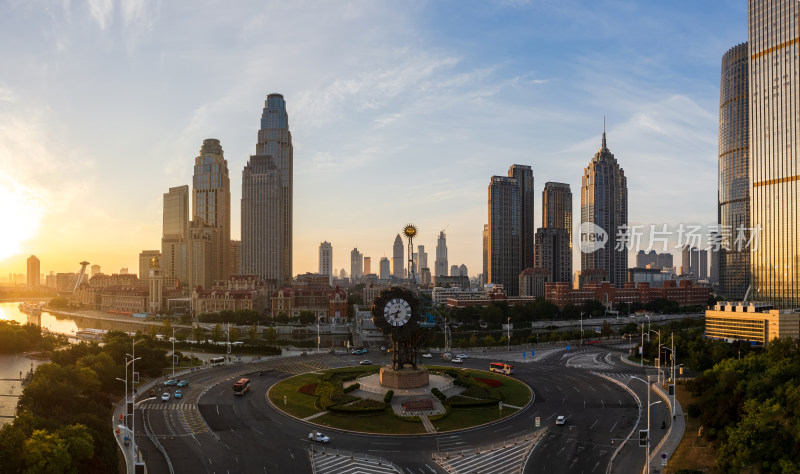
x=538 y=422
x=523 y=355
x=567 y=347
x=531 y=353
x=663 y=459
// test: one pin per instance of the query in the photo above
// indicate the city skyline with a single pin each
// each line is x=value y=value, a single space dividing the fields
x=69 y=183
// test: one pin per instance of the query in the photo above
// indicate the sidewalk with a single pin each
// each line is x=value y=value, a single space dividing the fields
x=670 y=442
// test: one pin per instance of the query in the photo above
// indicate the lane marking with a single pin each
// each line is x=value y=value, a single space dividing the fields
x=615 y=425
x=595 y=422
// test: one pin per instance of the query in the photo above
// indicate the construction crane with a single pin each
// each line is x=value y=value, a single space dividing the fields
x=79 y=278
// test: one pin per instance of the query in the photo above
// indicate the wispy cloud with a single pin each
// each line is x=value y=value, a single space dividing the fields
x=102 y=12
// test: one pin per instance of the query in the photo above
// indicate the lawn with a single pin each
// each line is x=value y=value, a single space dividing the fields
x=514 y=392
x=469 y=417
x=297 y=404
x=693 y=452
x=388 y=424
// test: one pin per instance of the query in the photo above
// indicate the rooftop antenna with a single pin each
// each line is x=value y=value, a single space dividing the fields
x=604 y=131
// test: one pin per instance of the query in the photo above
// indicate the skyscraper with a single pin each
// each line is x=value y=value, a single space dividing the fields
x=275 y=139
x=200 y=241
x=326 y=259
x=422 y=257
x=734 y=155
x=33 y=273
x=173 y=236
x=262 y=249
x=367 y=265
x=557 y=208
x=356 y=264
x=440 y=265
x=604 y=203
x=145 y=258
x=385 y=270
x=398 y=259
x=505 y=262
x=553 y=253
x=485 y=251
x=211 y=201
x=527 y=228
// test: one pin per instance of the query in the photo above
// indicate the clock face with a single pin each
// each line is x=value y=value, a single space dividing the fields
x=397 y=312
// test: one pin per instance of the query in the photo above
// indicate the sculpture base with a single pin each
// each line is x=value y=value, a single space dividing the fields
x=404 y=378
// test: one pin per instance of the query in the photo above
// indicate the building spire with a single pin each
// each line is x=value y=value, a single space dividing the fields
x=604 y=132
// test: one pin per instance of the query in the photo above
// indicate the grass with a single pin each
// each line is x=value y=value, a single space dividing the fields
x=693 y=452
x=297 y=404
x=387 y=424
x=469 y=417
x=514 y=392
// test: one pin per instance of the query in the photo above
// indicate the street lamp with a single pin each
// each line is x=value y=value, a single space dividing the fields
x=173 y=352
x=133 y=390
x=581 y=328
x=659 y=350
x=647 y=450
x=508 y=337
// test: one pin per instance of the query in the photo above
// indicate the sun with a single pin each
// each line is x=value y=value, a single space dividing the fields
x=21 y=215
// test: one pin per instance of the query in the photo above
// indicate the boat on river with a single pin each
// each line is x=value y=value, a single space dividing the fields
x=34 y=309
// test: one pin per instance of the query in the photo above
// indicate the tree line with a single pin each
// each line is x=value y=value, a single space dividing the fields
x=16 y=338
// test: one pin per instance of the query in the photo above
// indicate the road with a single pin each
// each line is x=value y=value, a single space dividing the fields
x=211 y=430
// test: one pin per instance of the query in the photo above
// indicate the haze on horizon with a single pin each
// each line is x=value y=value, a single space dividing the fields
x=399 y=112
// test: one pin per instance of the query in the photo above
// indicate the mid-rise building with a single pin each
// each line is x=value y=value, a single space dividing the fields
x=653 y=259
x=604 y=204
x=440 y=264
x=96 y=269
x=262 y=248
x=756 y=323
x=236 y=257
x=33 y=272
x=275 y=140
x=532 y=281
x=211 y=202
x=422 y=257
x=398 y=258
x=237 y=293
x=557 y=208
x=734 y=170
x=173 y=238
x=145 y=260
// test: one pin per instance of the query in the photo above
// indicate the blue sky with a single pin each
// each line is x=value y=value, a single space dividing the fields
x=400 y=112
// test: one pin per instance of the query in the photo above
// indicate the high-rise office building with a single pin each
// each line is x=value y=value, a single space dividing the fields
x=485 y=269
x=385 y=268
x=356 y=265
x=527 y=228
x=33 y=273
x=654 y=259
x=462 y=270
x=398 y=258
x=440 y=264
x=173 y=237
x=774 y=153
x=553 y=253
x=422 y=258
x=557 y=208
x=96 y=270
x=326 y=259
x=145 y=259
x=275 y=139
x=211 y=202
x=235 y=257
x=504 y=233
x=262 y=249
x=454 y=270
x=604 y=203
x=699 y=263
x=734 y=169
x=367 y=265
x=201 y=238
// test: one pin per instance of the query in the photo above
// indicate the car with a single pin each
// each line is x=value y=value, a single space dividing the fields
x=457 y=360
x=358 y=351
x=182 y=383
x=426 y=356
x=447 y=356
x=365 y=362
x=383 y=348
x=178 y=394
x=170 y=382
x=561 y=420
x=165 y=397
x=462 y=356
x=319 y=438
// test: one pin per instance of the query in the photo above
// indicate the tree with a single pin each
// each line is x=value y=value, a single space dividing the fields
x=166 y=327
x=45 y=453
x=216 y=333
x=488 y=340
x=198 y=333
x=606 y=330
x=153 y=330
x=271 y=336
x=233 y=333
x=252 y=334
x=473 y=340
x=307 y=317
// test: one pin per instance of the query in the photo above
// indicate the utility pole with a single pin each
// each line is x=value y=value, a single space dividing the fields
x=173 y=352
x=508 y=337
x=641 y=349
x=674 y=388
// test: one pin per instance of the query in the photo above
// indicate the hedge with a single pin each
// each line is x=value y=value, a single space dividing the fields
x=350 y=388
x=387 y=399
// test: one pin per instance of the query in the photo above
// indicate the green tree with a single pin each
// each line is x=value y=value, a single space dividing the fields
x=216 y=333
x=153 y=330
x=473 y=340
x=307 y=317
x=46 y=453
x=271 y=336
x=234 y=333
x=252 y=334
x=606 y=330
x=488 y=340
x=198 y=333
x=166 y=327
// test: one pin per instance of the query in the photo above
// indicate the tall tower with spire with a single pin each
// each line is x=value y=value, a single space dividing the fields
x=211 y=202
x=604 y=203
x=398 y=258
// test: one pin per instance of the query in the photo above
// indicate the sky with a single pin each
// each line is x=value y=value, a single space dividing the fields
x=400 y=112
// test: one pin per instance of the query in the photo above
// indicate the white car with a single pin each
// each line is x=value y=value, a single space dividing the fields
x=426 y=356
x=561 y=420
x=462 y=356
x=366 y=362
x=165 y=397
x=320 y=438
x=457 y=360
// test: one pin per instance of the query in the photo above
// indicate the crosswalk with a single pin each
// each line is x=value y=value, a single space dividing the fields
x=505 y=459
x=336 y=462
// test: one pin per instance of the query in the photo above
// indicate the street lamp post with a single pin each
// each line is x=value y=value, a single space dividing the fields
x=581 y=328
x=659 y=352
x=647 y=448
x=508 y=337
x=641 y=349
x=173 y=352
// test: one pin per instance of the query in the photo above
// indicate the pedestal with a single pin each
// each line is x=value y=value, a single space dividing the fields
x=404 y=378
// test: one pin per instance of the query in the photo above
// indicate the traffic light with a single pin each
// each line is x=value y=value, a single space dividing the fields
x=642 y=438
x=671 y=390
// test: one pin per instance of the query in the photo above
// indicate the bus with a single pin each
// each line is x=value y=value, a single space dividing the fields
x=501 y=367
x=216 y=361
x=241 y=387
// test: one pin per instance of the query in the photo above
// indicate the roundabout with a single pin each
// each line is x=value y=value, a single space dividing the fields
x=353 y=399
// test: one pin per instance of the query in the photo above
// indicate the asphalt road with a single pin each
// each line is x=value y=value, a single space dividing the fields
x=211 y=430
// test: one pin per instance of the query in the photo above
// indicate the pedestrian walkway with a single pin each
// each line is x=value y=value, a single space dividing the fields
x=508 y=457
x=326 y=461
x=670 y=442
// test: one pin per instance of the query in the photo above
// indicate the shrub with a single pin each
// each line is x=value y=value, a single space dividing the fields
x=693 y=409
x=387 y=399
x=350 y=388
x=438 y=394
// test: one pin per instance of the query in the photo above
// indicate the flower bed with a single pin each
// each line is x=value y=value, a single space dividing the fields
x=490 y=382
x=309 y=389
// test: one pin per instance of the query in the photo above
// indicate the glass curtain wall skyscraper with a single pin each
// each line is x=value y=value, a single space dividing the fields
x=505 y=229
x=398 y=258
x=174 y=236
x=211 y=201
x=557 y=208
x=326 y=260
x=440 y=264
x=604 y=203
x=527 y=228
x=734 y=187
x=275 y=139
x=261 y=247
x=772 y=33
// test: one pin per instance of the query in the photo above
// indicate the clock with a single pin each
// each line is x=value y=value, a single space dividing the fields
x=397 y=312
